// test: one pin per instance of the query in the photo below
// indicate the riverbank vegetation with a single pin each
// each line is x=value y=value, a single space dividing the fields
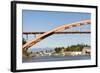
x=78 y=47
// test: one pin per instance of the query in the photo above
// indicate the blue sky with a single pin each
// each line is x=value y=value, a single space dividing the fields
x=37 y=21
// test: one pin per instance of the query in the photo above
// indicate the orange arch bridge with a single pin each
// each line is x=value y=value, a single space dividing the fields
x=50 y=32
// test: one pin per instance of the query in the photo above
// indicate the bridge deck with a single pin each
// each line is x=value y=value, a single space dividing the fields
x=68 y=32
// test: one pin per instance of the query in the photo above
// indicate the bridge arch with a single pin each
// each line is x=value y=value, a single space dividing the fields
x=50 y=32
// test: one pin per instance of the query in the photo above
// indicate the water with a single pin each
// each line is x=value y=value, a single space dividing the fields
x=54 y=58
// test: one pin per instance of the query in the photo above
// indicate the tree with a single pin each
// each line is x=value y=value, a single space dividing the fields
x=58 y=50
x=23 y=41
x=25 y=53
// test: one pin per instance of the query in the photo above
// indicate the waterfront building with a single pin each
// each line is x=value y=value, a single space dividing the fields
x=86 y=51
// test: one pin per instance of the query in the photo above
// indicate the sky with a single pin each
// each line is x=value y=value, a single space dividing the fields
x=38 y=21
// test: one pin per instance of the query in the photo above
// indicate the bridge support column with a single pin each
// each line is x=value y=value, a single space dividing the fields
x=34 y=35
x=26 y=37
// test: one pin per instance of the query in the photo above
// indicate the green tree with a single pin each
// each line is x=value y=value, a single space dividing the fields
x=58 y=50
x=23 y=41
